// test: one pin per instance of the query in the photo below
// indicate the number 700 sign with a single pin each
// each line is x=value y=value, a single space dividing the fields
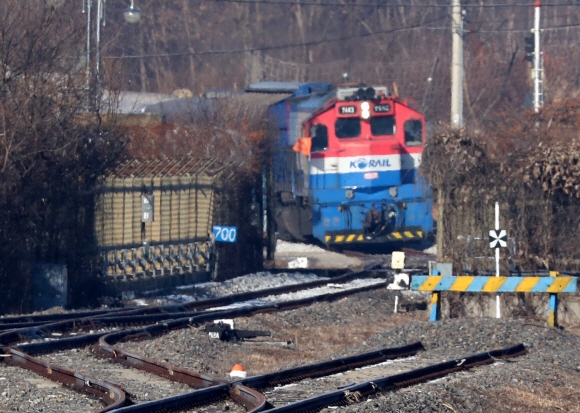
x=225 y=234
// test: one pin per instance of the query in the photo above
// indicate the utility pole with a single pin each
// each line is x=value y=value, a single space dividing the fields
x=456 y=106
x=457 y=66
x=131 y=14
x=538 y=73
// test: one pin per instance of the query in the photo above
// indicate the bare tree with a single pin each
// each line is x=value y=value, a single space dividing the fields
x=48 y=156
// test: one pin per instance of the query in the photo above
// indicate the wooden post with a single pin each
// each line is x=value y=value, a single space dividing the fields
x=440 y=212
x=553 y=306
x=435 y=306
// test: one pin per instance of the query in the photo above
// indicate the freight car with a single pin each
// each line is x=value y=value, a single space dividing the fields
x=347 y=170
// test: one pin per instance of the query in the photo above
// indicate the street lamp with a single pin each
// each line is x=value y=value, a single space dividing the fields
x=131 y=14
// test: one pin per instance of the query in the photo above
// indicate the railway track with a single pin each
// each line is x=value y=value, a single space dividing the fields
x=212 y=395
x=68 y=333
x=359 y=392
x=46 y=327
x=216 y=394
x=153 y=314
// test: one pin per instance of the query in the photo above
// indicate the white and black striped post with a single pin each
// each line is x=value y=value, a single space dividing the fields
x=497 y=301
x=497 y=239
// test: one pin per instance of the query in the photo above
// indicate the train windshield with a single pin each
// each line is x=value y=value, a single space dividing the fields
x=413 y=132
x=383 y=125
x=347 y=127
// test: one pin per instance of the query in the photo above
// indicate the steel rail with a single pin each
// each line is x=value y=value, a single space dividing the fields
x=190 y=400
x=361 y=391
x=40 y=318
x=243 y=392
x=251 y=399
x=327 y=368
x=112 y=395
x=12 y=337
x=166 y=370
x=26 y=321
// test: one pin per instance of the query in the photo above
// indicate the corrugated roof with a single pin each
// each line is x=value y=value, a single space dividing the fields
x=260 y=101
x=179 y=110
x=134 y=102
x=275 y=86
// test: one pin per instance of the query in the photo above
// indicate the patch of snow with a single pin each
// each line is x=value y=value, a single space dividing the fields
x=386 y=363
x=284 y=387
x=431 y=250
x=252 y=282
x=436 y=380
x=313 y=292
x=293 y=247
x=181 y=298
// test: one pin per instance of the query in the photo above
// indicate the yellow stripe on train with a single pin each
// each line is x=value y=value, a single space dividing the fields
x=393 y=236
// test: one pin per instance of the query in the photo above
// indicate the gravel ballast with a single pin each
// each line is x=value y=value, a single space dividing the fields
x=21 y=391
x=544 y=380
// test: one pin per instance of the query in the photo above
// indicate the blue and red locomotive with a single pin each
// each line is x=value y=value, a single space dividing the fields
x=347 y=173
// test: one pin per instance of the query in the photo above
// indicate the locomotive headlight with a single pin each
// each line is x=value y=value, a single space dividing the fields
x=365 y=110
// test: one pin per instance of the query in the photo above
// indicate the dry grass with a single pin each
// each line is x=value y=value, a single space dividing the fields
x=559 y=395
x=545 y=399
x=311 y=343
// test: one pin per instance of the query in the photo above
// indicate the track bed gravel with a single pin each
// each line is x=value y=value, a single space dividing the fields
x=544 y=380
x=21 y=391
x=315 y=333
x=139 y=385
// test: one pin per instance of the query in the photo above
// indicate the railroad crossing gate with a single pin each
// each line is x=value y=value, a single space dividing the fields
x=553 y=285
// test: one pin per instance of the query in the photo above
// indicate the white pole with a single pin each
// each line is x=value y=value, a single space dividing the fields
x=457 y=66
x=497 y=305
x=88 y=4
x=537 y=56
x=100 y=14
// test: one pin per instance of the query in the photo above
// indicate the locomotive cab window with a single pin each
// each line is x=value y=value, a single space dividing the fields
x=347 y=127
x=413 y=133
x=383 y=125
x=319 y=134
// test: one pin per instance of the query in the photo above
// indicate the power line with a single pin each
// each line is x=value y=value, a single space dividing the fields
x=422 y=26
x=338 y=39
x=285 y=46
x=553 y=28
x=386 y=5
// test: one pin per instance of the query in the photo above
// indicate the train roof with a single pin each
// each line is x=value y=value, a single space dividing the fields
x=296 y=88
x=174 y=109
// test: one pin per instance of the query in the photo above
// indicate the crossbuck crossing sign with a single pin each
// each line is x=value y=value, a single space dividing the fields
x=497 y=238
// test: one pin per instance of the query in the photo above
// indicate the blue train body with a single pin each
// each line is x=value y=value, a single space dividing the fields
x=347 y=170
